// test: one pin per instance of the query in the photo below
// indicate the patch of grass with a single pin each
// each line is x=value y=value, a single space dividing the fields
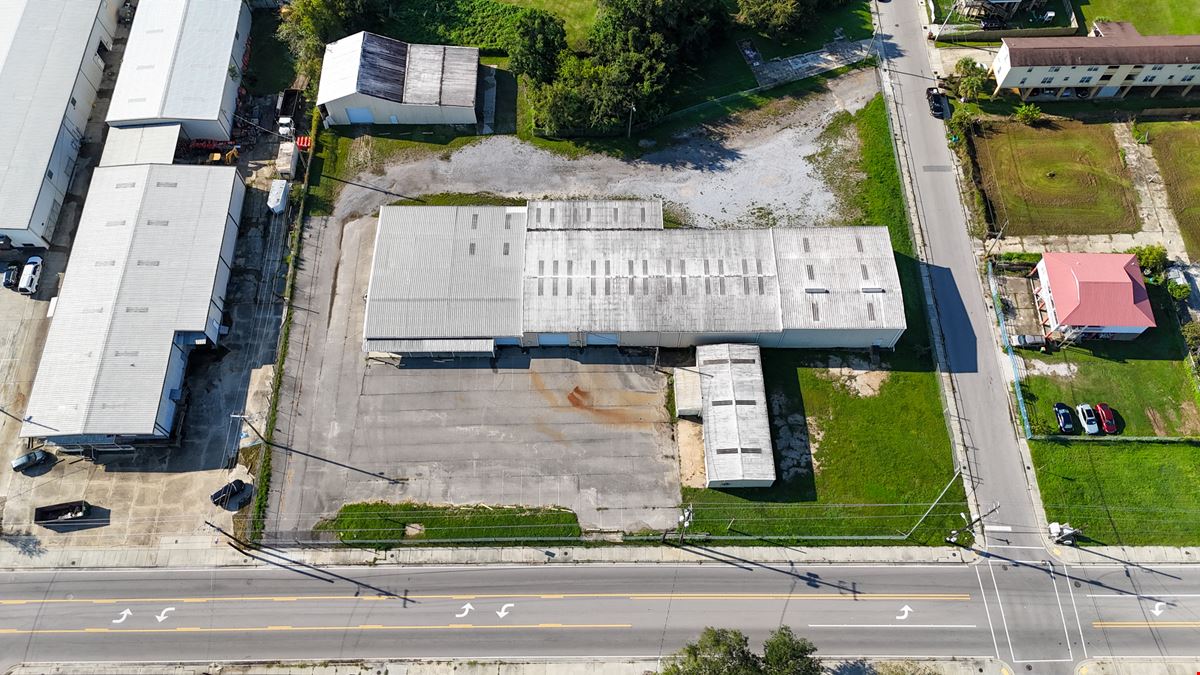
x=882 y=459
x=1135 y=494
x=461 y=199
x=345 y=152
x=1151 y=17
x=272 y=67
x=487 y=24
x=854 y=19
x=1146 y=381
x=722 y=72
x=381 y=525
x=1176 y=147
x=1060 y=178
x=578 y=15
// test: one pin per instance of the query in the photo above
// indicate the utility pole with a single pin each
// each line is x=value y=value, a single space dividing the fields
x=952 y=538
x=685 y=521
x=629 y=131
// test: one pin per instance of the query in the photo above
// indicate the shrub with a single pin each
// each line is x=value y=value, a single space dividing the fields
x=1028 y=114
x=1191 y=335
x=1180 y=292
x=1152 y=258
x=1020 y=257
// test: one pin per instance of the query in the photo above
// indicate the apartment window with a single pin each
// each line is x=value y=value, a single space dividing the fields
x=1187 y=78
x=1029 y=70
x=1092 y=69
x=50 y=174
x=1148 y=78
x=1085 y=79
x=1055 y=69
x=1196 y=67
x=1023 y=80
x=1156 y=68
x=1105 y=78
x=72 y=101
x=1047 y=80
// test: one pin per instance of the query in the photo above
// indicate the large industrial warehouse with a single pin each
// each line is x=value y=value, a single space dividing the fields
x=144 y=286
x=460 y=281
x=371 y=79
x=50 y=71
x=183 y=63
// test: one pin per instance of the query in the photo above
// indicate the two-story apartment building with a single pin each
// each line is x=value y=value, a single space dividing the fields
x=1115 y=59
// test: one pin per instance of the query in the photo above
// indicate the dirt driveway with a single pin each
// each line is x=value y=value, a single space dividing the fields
x=752 y=172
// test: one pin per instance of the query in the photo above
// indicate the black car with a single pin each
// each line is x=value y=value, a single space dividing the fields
x=1062 y=412
x=991 y=23
x=226 y=494
x=936 y=106
x=30 y=460
x=11 y=274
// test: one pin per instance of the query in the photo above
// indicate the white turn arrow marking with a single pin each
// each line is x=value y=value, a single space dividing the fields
x=904 y=612
x=162 y=616
x=1158 y=608
x=466 y=609
x=125 y=614
x=503 y=611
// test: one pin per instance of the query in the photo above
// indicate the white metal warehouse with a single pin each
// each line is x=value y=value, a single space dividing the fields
x=462 y=280
x=50 y=71
x=144 y=285
x=737 y=432
x=371 y=79
x=183 y=63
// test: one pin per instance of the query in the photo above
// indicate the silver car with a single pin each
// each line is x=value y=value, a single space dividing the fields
x=1087 y=418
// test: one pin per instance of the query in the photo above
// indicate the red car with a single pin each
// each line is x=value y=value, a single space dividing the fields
x=1108 y=421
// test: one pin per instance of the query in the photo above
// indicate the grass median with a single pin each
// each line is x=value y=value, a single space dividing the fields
x=383 y=525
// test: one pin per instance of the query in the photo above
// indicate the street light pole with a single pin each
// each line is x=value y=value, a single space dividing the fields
x=629 y=131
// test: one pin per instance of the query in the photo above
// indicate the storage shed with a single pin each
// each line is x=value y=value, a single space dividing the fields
x=371 y=79
x=737 y=432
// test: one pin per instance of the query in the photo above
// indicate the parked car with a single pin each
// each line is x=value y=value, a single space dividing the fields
x=1108 y=420
x=992 y=23
x=1062 y=413
x=226 y=494
x=30 y=460
x=937 y=107
x=11 y=274
x=30 y=275
x=1087 y=418
x=1028 y=341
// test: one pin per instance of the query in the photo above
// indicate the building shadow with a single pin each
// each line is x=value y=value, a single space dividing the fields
x=962 y=348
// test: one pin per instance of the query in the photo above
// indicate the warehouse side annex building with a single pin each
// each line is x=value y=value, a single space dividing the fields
x=460 y=281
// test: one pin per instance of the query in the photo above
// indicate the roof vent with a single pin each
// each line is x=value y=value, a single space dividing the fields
x=872 y=289
x=815 y=289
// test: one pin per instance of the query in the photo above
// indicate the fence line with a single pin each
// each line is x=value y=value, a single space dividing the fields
x=1012 y=357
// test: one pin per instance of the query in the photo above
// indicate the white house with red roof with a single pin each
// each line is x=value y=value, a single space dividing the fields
x=1085 y=296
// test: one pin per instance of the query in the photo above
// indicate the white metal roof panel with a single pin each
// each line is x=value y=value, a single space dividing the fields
x=446 y=272
x=838 y=277
x=152 y=144
x=737 y=431
x=609 y=214
x=423 y=77
x=176 y=63
x=460 y=76
x=42 y=46
x=339 y=70
x=143 y=267
x=675 y=281
x=465 y=347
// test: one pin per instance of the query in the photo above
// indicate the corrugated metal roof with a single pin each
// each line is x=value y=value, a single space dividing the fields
x=675 y=281
x=646 y=214
x=838 y=277
x=176 y=63
x=470 y=346
x=143 y=267
x=446 y=272
x=397 y=71
x=42 y=46
x=1097 y=289
x=153 y=144
x=737 y=432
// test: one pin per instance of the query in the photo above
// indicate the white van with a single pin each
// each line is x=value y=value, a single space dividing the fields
x=30 y=274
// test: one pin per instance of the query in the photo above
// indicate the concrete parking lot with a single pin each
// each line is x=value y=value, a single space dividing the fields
x=583 y=429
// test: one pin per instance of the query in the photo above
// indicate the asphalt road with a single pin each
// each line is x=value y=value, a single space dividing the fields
x=597 y=611
x=965 y=320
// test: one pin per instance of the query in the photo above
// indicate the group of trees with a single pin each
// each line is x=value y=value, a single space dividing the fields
x=308 y=25
x=636 y=49
x=727 y=652
x=782 y=16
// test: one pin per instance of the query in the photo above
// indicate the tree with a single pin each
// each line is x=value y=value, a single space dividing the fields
x=773 y=17
x=786 y=654
x=970 y=86
x=969 y=66
x=538 y=43
x=721 y=651
x=1191 y=335
x=1028 y=114
x=306 y=26
x=962 y=121
x=1152 y=258
x=1179 y=292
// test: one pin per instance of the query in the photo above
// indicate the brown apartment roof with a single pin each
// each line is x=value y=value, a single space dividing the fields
x=1118 y=44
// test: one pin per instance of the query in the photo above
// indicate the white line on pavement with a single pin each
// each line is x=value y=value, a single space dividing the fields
x=892 y=625
x=1028 y=548
x=1078 y=623
x=1139 y=596
x=1003 y=620
x=983 y=597
x=1061 y=613
x=997 y=528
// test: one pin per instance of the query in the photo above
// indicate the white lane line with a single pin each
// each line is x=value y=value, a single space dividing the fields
x=1139 y=596
x=1000 y=603
x=1061 y=612
x=1078 y=623
x=997 y=528
x=1027 y=548
x=892 y=625
x=983 y=597
x=1048 y=660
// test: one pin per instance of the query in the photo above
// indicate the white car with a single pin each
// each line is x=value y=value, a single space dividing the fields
x=30 y=275
x=1087 y=417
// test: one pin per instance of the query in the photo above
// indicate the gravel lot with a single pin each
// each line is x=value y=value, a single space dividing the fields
x=744 y=173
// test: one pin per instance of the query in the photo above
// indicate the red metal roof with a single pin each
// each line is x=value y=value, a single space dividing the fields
x=1098 y=289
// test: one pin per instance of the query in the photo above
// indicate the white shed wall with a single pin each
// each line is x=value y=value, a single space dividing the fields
x=405 y=113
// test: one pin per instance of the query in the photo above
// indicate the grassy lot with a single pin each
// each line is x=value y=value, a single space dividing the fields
x=578 y=15
x=1151 y=17
x=345 y=152
x=1146 y=381
x=854 y=20
x=1023 y=19
x=1063 y=178
x=380 y=524
x=1122 y=493
x=1176 y=148
x=887 y=453
x=460 y=199
x=272 y=67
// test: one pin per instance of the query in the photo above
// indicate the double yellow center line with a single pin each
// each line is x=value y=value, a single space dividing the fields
x=277 y=629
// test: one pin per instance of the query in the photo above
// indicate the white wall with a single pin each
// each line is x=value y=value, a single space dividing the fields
x=1054 y=77
x=382 y=111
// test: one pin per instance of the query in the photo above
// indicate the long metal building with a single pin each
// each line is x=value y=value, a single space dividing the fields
x=145 y=284
x=463 y=280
